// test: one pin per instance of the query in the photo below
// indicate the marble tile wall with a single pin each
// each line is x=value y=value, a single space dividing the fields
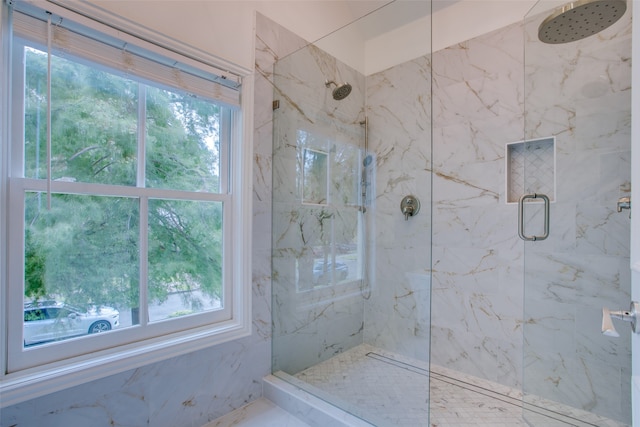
x=581 y=92
x=399 y=110
x=195 y=388
x=477 y=255
x=484 y=277
x=315 y=320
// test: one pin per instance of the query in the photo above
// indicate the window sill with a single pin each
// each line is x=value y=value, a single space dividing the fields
x=36 y=382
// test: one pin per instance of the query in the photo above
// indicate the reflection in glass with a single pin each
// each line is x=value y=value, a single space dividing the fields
x=332 y=231
x=314 y=171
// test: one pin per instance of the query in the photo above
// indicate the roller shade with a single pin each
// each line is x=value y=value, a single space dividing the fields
x=70 y=39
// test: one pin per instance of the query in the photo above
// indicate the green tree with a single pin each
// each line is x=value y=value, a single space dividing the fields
x=85 y=249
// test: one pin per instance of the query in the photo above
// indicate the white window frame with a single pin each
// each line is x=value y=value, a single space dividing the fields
x=25 y=384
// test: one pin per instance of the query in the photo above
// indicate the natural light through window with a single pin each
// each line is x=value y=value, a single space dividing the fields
x=124 y=229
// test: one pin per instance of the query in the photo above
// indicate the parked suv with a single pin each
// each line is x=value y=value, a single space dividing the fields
x=52 y=320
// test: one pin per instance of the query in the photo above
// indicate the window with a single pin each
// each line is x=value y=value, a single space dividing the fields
x=124 y=206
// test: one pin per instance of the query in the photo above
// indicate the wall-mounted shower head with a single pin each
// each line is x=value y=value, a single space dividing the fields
x=340 y=92
x=580 y=19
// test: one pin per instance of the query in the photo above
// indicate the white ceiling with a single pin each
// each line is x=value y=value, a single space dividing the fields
x=398 y=13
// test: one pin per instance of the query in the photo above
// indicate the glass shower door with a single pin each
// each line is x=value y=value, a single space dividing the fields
x=351 y=273
x=577 y=152
x=320 y=207
x=318 y=211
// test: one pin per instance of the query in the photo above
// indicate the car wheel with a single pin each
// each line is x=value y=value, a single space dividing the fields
x=99 y=326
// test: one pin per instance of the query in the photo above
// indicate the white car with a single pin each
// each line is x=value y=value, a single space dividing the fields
x=52 y=320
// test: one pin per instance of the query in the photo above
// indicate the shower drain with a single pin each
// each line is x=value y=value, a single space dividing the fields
x=530 y=408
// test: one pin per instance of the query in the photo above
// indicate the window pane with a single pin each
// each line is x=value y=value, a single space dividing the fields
x=183 y=142
x=81 y=263
x=94 y=122
x=185 y=258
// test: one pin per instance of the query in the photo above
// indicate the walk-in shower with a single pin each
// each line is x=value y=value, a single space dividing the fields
x=427 y=319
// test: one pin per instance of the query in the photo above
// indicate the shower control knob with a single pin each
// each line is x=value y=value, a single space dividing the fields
x=409 y=206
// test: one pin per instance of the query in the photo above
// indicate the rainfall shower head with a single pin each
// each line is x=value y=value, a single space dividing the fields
x=340 y=92
x=580 y=19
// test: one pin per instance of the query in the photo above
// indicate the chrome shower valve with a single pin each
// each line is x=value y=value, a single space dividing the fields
x=409 y=206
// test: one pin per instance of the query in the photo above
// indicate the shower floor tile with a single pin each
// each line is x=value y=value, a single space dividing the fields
x=390 y=390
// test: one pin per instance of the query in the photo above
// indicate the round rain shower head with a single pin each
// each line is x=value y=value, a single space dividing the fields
x=580 y=19
x=340 y=92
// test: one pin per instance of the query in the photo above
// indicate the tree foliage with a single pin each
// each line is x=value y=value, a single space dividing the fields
x=86 y=249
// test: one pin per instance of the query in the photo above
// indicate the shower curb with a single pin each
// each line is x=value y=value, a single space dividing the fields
x=307 y=407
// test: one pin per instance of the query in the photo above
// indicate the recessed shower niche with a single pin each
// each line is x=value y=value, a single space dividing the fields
x=531 y=168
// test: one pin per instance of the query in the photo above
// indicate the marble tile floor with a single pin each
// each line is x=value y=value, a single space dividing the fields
x=394 y=391
x=390 y=390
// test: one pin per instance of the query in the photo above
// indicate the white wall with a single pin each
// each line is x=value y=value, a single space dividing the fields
x=224 y=28
x=467 y=19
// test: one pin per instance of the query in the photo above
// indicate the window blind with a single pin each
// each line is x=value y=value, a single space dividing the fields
x=75 y=40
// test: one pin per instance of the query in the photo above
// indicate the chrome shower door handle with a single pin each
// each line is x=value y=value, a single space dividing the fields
x=524 y=197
